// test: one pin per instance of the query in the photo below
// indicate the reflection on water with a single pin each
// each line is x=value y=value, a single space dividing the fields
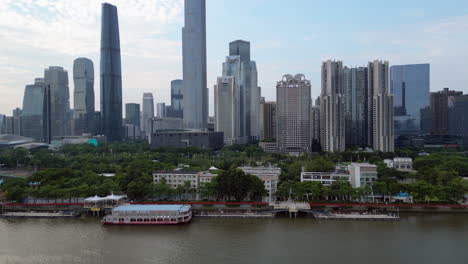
x=417 y=238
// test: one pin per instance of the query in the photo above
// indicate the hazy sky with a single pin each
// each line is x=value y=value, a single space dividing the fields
x=291 y=36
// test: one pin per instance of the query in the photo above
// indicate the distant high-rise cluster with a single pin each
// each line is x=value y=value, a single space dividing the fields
x=373 y=107
x=237 y=96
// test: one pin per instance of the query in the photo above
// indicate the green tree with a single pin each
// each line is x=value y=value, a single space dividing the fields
x=257 y=189
x=341 y=189
x=320 y=164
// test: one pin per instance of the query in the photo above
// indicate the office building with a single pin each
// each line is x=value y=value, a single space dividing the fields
x=293 y=114
x=131 y=132
x=195 y=99
x=167 y=123
x=315 y=126
x=227 y=99
x=410 y=85
x=2 y=122
x=355 y=105
x=332 y=118
x=267 y=113
x=380 y=105
x=148 y=112
x=249 y=91
x=458 y=118
x=440 y=102
x=34 y=120
x=255 y=97
x=132 y=115
x=111 y=74
x=177 y=98
x=17 y=121
x=56 y=79
x=9 y=126
x=187 y=138
x=83 y=96
x=160 y=110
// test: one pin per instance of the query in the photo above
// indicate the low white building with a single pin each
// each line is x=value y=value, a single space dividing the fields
x=326 y=178
x=269 y=176
x=362 y=174
x=401 y=164
x=177 y=177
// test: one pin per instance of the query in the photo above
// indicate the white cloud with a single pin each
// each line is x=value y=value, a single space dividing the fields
x=39 y=33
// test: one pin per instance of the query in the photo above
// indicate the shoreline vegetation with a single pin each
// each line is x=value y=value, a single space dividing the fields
x=76 y=171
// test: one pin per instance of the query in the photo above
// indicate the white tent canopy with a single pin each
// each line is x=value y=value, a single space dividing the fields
x=111 y=197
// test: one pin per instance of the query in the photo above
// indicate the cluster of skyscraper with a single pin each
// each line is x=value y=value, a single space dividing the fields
x=375 y=106
x=237 y=96
x=46 y=111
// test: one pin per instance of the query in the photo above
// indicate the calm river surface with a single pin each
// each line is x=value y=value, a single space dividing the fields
x=417 y=238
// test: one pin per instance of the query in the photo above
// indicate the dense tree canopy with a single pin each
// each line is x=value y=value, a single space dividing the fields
x=74 y=172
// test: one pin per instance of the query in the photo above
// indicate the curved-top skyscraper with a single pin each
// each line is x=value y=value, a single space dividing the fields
x=83 y=99
x=111 y=78
x=194 y=65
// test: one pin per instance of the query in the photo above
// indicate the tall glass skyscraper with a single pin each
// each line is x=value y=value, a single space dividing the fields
x=194 y=65
x=56 y=78
x=249 y=90
x=355 y=100
x=132 y=114
x=148 y=112
x=111 y=76
x=410 y=85
x=83 y=99
x=33 y=115
x=177 y=98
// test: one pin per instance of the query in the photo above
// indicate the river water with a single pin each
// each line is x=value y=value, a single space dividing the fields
x=417 y=238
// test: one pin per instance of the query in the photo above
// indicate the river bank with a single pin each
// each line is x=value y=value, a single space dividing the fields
x=254 y=210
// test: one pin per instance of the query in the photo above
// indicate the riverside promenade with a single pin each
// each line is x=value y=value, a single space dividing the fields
x=258 y=209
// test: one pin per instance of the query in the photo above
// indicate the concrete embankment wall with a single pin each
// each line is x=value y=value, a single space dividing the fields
x=393 y=207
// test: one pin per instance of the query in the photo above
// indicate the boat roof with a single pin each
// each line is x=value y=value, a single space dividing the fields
x=151 y=207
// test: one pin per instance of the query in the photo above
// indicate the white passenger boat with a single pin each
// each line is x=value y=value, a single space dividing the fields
x=149 y=214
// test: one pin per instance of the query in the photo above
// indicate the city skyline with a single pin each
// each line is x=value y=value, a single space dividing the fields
x=158 y=50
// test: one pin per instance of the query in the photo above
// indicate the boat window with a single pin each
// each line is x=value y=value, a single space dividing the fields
x=153 y=219
x=173 y=219
x=132 y=220
x=160 y=220
x=146 y=220
x=139 y=219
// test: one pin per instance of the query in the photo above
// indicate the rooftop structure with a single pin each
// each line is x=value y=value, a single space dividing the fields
x=187 y=138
